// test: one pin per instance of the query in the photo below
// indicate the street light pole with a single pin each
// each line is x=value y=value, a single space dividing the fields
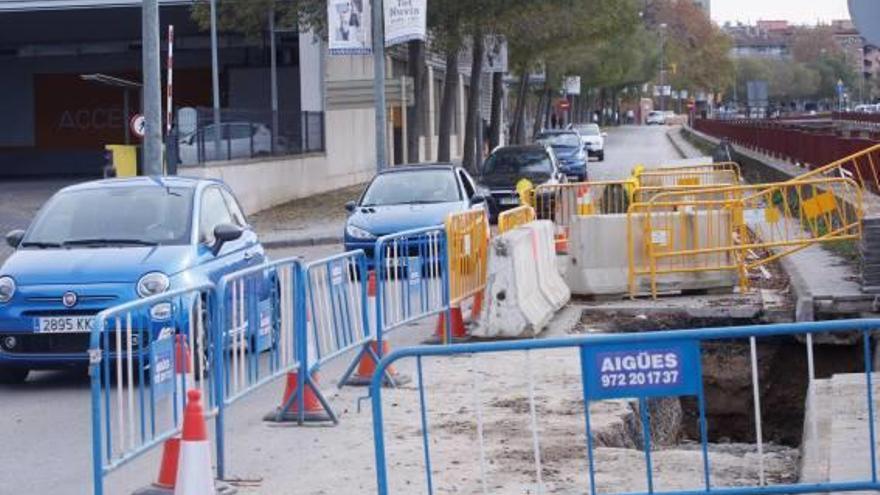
x=152 y=94
x=663 y=67
x=379 y=82
x=215 y=79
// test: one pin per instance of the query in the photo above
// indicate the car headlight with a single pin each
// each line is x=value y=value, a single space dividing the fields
x=7 y=289
x=358 y=233
x=153 y=283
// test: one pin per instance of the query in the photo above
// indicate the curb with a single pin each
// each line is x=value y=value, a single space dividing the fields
x=302 y=242
x=675 y=144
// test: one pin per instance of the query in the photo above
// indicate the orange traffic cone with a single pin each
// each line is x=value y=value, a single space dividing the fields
x=561 y=240
x=366 y=368
x=165 y=482
x=315 y=408
x=477 y=307
x=195 y=475
x=458 y=329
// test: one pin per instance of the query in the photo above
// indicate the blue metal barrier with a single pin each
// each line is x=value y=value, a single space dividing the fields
x=136 y=349
x=338 y=306
x=642 y=366
x=261 y=329
x=412 y=279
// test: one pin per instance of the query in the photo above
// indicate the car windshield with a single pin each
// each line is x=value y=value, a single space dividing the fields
x=148 y=215
x=412 y=187
x=561 y=140
x=517 y=164
x=588 y=130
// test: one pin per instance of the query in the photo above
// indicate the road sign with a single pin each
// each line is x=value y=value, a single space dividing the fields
x=138 y=125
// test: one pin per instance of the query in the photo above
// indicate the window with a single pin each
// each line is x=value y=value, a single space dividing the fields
x=469 y=189
x=412 y=187
x=213 y=213
x=235 y=209
x=152 y=214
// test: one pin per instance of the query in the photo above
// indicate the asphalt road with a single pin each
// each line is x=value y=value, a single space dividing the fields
x=46 y=439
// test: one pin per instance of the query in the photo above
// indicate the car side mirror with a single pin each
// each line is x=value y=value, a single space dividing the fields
x=14 y=238
x=350 y=206
x=478 y=199
x=223 y=233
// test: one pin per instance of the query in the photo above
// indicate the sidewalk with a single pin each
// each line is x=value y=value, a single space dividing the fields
x=316 y=220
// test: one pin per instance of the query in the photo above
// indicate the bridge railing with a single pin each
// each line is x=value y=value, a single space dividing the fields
x=644 y=367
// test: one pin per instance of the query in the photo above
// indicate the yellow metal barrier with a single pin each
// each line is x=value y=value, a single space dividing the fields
x=561 y=202
x=467 y=235
x=516 y=217
x=862 y=167
x=736 y=229
x=689 y=177
x=702 y=167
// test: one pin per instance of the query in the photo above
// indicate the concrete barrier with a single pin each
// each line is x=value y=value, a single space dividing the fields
x=550 y=282
x=515 y=304
x=599 y=258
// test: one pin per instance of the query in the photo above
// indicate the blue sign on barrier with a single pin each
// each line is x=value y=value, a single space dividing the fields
x=661 y=369
x=162 y=368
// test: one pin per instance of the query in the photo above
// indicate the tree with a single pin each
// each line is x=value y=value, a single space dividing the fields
x=695 y=47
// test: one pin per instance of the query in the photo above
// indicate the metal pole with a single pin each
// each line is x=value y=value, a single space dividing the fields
x=274 y=77
x=379 y=82
x=152 y=88
x=215 y=79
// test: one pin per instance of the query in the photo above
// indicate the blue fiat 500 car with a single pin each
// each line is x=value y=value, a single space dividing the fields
x=408 y=198
x=100 y=244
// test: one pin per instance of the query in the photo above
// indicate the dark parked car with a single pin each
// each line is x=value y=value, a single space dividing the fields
x=506 y=166
x=570 y=150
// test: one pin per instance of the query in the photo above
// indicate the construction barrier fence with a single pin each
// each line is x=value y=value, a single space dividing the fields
x=467 y=238
x=140 y=367
x=643 y=368
x=511 y=219
x=735 y=229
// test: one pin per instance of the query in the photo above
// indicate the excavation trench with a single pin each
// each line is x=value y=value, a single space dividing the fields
x=727 y=382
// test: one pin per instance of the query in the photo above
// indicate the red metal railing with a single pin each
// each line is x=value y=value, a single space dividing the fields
x=814 y=146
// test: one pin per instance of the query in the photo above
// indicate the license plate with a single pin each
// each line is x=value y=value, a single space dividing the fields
x=65 y=324
x=509 y=201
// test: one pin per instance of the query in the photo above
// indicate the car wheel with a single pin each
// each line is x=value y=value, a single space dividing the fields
x=13 y=376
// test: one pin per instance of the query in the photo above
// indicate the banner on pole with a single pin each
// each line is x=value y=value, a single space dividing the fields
x=405 y=20
x=348 y=23
x=573 y=85
x=495 y=54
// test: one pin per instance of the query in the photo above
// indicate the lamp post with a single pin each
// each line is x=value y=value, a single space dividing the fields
x=663 y=67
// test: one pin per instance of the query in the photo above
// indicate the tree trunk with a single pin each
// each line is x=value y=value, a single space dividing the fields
x=539 y=115
x=416 y=113
x=447 y=106
x=473 y=122
x=519 y=115
x=497 y=98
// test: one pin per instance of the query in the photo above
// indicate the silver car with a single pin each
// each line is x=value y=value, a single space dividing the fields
x=237 y=140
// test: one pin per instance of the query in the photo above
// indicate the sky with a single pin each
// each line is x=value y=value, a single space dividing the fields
x=798 y=11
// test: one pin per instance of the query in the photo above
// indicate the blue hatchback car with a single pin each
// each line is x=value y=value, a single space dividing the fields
x=406 y=198
x=101 y=244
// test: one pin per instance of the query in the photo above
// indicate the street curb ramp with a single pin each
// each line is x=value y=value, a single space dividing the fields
x=524 y=287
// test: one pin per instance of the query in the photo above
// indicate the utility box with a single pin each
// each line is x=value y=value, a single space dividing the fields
x=124 y=159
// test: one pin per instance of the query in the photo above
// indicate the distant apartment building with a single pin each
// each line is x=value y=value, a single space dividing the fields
x=765 y=39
